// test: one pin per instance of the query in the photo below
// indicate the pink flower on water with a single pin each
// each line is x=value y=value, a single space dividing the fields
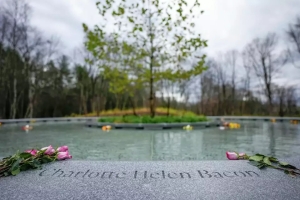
x=232 y=155
x=49 y=150
x=63 y=155
x=62 y=149
x=32 y=152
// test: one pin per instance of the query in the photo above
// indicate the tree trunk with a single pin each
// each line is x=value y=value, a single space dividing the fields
x=152 y=95
x=125 y=102
x=85 y=104
x=133 y=106
x=29 y=111
x=98 y=106
x=168 y=106
x=81 y=100
x=14 y=103
x=117 y=101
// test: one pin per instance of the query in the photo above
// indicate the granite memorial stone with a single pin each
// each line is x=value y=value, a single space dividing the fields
x=151 y=180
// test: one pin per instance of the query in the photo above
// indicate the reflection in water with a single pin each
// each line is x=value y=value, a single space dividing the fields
x=272 y=143
x=276 y=139
x=177 y=145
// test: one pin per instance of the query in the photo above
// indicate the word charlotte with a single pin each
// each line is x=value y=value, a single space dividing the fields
x=163 y=174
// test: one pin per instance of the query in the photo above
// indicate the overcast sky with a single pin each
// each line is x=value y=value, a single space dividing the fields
x=226 y=24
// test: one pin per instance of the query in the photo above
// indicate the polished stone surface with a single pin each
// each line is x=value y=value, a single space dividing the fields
x=151 y=180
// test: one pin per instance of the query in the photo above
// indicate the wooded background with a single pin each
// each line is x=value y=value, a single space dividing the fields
x=36 y=80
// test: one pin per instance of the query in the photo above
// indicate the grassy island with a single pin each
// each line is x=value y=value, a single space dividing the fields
x=148 y=119
x=163 y=115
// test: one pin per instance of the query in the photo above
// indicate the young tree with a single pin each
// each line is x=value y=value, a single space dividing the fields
x=124 y=72
x=156 y=29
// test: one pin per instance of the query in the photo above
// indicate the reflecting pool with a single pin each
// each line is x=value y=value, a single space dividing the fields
x=276 y=139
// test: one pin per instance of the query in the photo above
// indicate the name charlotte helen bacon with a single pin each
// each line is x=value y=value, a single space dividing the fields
x=163 y=174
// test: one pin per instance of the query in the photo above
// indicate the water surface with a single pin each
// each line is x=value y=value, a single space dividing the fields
x=278 y=139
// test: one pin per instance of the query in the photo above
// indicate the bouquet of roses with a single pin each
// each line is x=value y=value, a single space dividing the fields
x=32 y=159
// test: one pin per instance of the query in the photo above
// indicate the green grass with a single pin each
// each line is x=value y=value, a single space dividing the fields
x=148 y=119
x=139 y=111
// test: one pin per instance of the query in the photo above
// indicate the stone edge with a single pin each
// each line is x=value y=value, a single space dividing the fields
x=142 y=126
x=90 y=119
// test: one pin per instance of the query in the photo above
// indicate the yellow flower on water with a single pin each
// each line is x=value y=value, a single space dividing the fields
x=234 y=125
x=188 y=127
x=294 y=121
x=106 y=128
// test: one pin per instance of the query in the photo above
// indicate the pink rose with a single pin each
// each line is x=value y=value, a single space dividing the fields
x=63 y=155
x=62 y=149
x=232 y=155
x=235 y=156
x=243 y=156
x=32 y=152
x=49 y=150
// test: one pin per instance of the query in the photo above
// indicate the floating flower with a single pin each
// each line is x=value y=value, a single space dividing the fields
x=106 y=128
x=62 y=149
x=27 y=127
x=188 y=127
x=63 y=155
x=32 y=152
x=49 y=150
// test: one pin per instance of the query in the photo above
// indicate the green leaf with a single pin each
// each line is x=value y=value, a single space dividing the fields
x=16 y=164
x=35 y=164
x=141 y=29
x=25 y=167
x=267 y=161
x=272 y=159
x=283 y=163
x=130 y=19
x=15 y=171
x=254 y=163
x=25 y=155
x=259 y=155
x=121 y=11
x=257 y=158
x=46 y=159
x=287 y=165
x=143 y=11
x=262 y=166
